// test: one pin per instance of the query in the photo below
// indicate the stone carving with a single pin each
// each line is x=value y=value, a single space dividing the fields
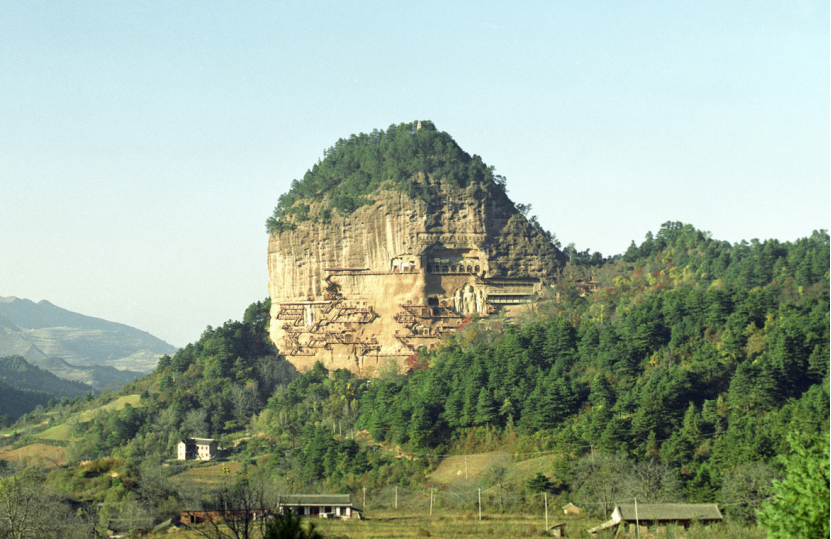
x=397 y=275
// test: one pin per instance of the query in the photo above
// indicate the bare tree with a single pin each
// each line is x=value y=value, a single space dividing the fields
x=243 y=400
x=167 y=421
x=238 y=511
x=498 y=476
x=156 y=489
x=196 y=423
x=653 y=481
x=274 y=371
x=133 y=516
x=746 y=487
x=601 y=479
x=29 y=510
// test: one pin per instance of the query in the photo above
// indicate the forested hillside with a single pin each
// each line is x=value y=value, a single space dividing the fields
x=20 y=374
x=702 y=361
x=15 y=402
x=704 y=355
x=25 y=386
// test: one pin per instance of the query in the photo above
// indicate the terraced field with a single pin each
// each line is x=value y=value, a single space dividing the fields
x=47 y=456
x=117 y=404
x=469 y=469
x=60 y=433
x=210 y=475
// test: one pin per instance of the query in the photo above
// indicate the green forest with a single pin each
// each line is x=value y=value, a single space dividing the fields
x=699 y=364
x=355 y=168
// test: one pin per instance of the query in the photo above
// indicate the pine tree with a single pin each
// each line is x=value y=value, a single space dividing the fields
x=453 y=408
x=539 y=483
x=556 y=403
x=421 y=425
x=486 y=412
x=468 y=416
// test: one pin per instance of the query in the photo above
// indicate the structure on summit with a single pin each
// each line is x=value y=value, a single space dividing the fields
x=391 y=242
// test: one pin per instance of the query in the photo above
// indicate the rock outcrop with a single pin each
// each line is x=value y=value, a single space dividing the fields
x=366 y=290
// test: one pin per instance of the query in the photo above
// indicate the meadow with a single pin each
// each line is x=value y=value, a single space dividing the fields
x=39 y=454
x=456 y=525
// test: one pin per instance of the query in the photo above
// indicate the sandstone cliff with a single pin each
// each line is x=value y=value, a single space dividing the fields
x=369 y=288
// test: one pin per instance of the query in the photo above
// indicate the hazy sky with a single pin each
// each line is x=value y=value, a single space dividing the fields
x=143 y=144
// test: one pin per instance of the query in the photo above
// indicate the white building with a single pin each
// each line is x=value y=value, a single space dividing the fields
x=198 y=449
x=318 y=505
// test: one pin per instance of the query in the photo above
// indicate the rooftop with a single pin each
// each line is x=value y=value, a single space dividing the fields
x=670 y=511
x=197 y=440
x=316 y=499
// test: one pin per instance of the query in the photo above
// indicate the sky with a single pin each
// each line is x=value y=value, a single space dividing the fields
x=143 y=144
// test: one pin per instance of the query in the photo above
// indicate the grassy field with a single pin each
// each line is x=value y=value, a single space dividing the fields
x=61 y=433
x=463 y=470
x=24 y=430
x=117 y=404
x=529 y=468
x=44 y=455
x=452 y=525
x=210 y=475
x=390 y=524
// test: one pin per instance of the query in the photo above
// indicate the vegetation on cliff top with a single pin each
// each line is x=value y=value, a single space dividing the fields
x=355 y=168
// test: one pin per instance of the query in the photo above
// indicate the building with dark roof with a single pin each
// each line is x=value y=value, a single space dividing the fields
x=657 y=516
x=319 y=505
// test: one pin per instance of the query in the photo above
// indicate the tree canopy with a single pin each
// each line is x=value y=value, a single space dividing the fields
x=353 y=169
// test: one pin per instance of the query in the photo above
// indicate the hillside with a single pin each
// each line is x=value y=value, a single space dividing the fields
x=15 y=402
x=19 y=374
x=692 y=372
x=24 y=386
x=100 y=377
x=75 y=346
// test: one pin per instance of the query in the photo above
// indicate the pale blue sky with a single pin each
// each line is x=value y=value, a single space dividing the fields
x=143 y=144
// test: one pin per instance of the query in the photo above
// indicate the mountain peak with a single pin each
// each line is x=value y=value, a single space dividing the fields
x=51 y=331
x=390 y=243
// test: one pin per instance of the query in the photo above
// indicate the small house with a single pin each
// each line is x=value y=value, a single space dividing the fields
x=558 y=530
x=319 y=505
x=198 y=449
x=201 y=516
x=571 y=509
x=657 y=517
x=593 y=286
x=198 y=517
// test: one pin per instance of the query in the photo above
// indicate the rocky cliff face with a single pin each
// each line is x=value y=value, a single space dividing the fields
x=367 y=290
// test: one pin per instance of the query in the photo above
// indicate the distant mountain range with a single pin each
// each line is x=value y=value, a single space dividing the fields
x=74 y=346
x=24 y=386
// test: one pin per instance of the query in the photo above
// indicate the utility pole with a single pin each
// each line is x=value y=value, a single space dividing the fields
x=546 y=512
x=364 y=498
x=431 y=501
x=480 y=504
x=637 y=522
